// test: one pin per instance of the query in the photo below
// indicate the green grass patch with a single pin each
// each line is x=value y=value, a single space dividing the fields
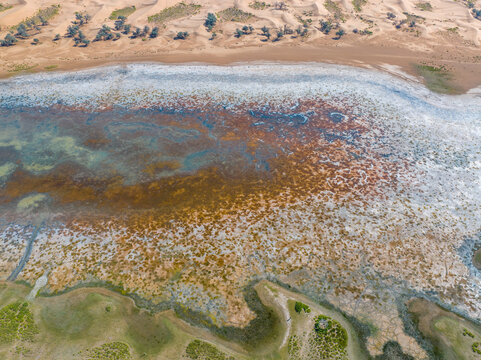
x=4 y=7
x=146 y=335
x=234 y=14
x=456 y=334
x=50 y=67
x=110 y=351
x=437 y=79
x=259 y=5
x=70 y=319
x=424 y=6
x=174 y=12
x=202 y=350
x=126 y=11
x=358 y=4
x=16 y=323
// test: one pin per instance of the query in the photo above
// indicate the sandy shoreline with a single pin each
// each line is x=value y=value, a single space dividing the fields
x=465 y=75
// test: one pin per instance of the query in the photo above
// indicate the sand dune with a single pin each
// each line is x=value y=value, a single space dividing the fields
x=445 y=33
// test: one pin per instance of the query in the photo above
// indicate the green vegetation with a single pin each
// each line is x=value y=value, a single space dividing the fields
x=334 y=9
x=109 y=351
x=331 y=338
x=258 y=5
x=42 y=16
x=4 y=7
x=358 y=4
x=50 y=67
x=476 y=347
x=126 y=11
x=466 y=332
x=293 y=347
x=174 y=12
x=234 y=14
x=181 y=35
x=204 y=351
x=299 y=307
x=437 y=79
x=424 y=6
x=210 y=21
x=16 y=323
x=20 y=67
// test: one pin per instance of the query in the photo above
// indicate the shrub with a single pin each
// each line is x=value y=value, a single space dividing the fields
x=119 y=23
x=126 y=29
x=340 y=33
x=391 y=16
x=72 y=30
x=21 y=32
x=155 y=32
x=181 y=35
x=326 y=26
x=210 y=21
x=9 y=40
x=136 y=33
x=238 y=33
x=299 y=307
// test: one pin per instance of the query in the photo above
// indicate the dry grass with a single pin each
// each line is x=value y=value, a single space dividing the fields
x=234 y=14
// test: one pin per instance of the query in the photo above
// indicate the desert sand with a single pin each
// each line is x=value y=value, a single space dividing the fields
x=446 y=33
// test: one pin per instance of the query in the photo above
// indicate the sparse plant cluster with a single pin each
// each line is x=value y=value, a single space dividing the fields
x=246 y=30
x=259 y=5
x=280 y=5
x=411 y=20
x=199 y=350
x=358 y=4
x=331 y=338
x=424 y=6
x=327 y=25
x=181 y=35
x=293 y=347
x=174 y=12
x=81 y=18
x=466 y=332
x=4 y=7
x=234 y=14
x=16 y=323
x=115 y=350
x=328 y=340
x=299 y=307
x=476 y=347
x=30 y=26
